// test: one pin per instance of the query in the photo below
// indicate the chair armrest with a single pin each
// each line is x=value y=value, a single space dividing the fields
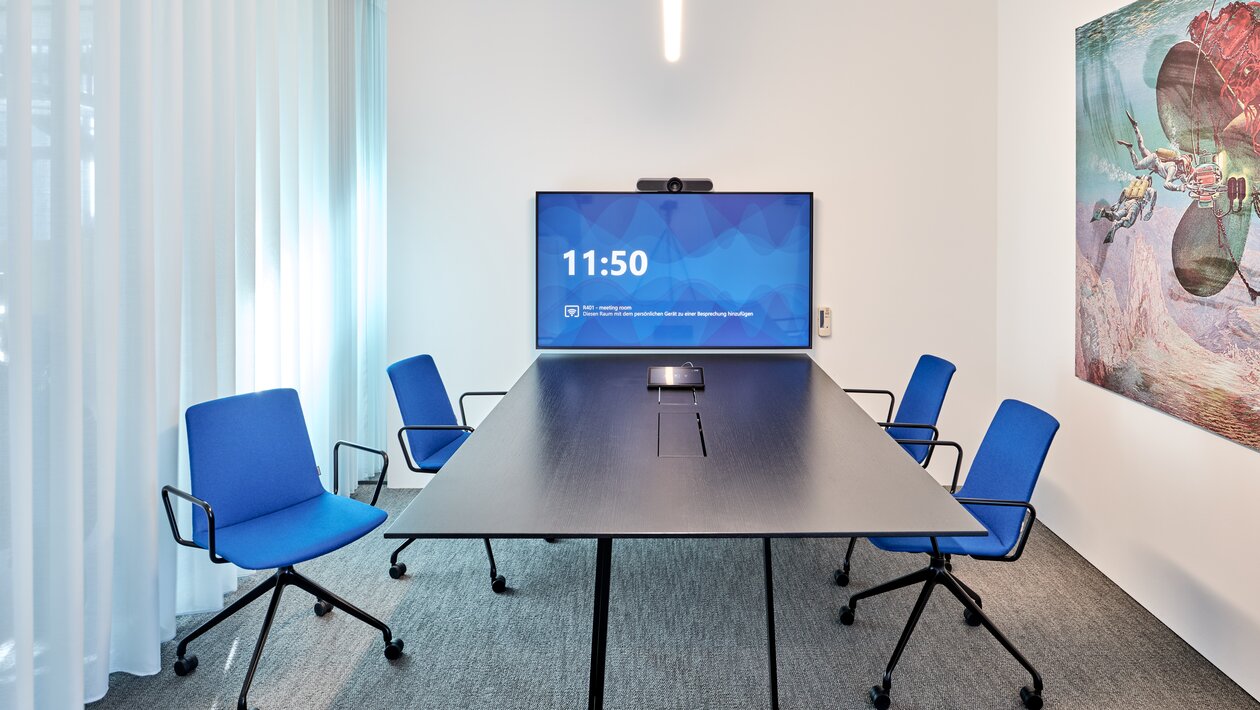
x=932 y=444
x=892 y=398
x=337 y=465
x=402 y=440
x=464 y=420
x=167 y=491
x=1025 y=527
x=936 y=434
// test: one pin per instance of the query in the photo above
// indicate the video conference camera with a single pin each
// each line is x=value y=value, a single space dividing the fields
x=674 y=184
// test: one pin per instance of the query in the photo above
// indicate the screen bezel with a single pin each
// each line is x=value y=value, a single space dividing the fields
x=809 y=316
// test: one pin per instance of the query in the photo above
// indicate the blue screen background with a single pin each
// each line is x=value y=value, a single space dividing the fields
x=724 y=270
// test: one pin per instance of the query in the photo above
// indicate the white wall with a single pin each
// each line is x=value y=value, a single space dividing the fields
x=1166 y=510
x=889 y=123
x=899 y=131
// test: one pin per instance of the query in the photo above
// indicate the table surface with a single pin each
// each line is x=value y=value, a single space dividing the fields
x=572 y=451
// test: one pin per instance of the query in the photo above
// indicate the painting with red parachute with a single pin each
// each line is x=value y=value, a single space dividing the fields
x=1167 y=192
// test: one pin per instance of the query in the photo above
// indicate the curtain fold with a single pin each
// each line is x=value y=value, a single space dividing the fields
x=193 y=206
x=369 y=201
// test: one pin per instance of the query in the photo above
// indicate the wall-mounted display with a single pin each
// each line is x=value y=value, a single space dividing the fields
x=1167 y=193
x=664 y=270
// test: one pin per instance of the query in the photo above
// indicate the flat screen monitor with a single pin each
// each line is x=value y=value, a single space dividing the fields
x=648 y=270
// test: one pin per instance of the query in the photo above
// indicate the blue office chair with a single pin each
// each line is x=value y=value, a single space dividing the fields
x=430 y=436
x=920 y=408
x=998 y=488
x=258 y=503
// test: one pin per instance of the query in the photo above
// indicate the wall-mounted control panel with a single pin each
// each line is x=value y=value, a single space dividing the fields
x=824 y=321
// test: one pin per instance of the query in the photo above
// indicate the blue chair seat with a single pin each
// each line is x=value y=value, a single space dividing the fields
x=438 y=458
x=295 y=534
x=988 y=546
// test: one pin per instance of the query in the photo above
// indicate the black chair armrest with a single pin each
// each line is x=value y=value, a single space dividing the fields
x=337 y=465
x=167 y=492
x=936 y=434
x=1026 y=526
x=932 y=444
x=892 y=398
x=464 y=420
x=402 y=440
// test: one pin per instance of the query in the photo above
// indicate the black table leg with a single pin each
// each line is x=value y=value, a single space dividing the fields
x=599 y=626
x=774 y=662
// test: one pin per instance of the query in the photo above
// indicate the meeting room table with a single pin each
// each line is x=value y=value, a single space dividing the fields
x=770 y=447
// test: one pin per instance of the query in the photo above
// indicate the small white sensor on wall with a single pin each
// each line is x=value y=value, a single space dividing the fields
x=671 y=13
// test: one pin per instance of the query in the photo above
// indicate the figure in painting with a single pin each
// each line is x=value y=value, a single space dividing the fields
x=1135 y=197
x=1175 y=167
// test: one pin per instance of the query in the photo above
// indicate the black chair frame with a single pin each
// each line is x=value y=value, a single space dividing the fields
x=841 y=575
x=940 y=572
x=892 y=398
x=498 y=583
x=380 y=479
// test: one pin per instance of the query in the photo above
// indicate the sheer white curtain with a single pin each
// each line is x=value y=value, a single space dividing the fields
x=192 y=206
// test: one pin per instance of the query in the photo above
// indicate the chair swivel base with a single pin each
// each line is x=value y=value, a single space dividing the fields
x=186 y=663
x=939 y=572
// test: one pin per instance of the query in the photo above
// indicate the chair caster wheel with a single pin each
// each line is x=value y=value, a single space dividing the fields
x=393 y=649
x=397 y=570
x=846 y=616
x=549 y=539
x=1032 y=698
x=971 y=618
x=879 y=698
x=841 y=578
x=498 y=584
x=322 y=607
x=185 y=665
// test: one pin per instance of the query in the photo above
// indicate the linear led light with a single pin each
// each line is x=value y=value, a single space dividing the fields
x=671 y=11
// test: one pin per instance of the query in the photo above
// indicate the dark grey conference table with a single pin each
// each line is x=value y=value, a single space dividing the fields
x=581 y=448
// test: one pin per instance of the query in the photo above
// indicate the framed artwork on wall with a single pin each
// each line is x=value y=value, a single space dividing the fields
x=1167 y=196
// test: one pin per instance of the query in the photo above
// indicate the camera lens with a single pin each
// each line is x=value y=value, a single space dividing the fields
x=674 y=185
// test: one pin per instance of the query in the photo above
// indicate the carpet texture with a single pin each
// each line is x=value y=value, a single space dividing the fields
x=686 y=630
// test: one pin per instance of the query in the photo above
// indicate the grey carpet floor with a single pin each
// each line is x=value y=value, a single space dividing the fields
x=686 y=630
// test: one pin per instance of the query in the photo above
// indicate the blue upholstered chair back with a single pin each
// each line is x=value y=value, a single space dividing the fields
x=422 y=399
x=921 y=404
x=250 y=455
x=1007 y=465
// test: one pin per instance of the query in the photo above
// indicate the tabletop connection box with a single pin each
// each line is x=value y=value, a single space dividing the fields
x=676 y=377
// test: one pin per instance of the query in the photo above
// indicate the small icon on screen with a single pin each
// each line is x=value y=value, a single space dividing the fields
x=571 y=311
